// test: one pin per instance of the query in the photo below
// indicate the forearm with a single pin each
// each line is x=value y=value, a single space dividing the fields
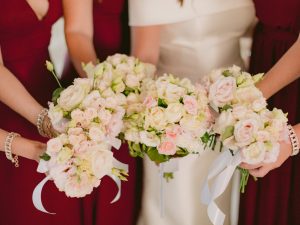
x=23 y=147
x=15 y=96
x=285 y=71
x=81 y=50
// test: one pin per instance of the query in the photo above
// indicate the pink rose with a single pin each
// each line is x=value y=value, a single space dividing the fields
x=190 y=104
x=167 y=148
x=90 y=113
x=115 y=126
x=173 y=132
x=77 y=115
x=244 y=131
x=150 y=102
x=221 y=92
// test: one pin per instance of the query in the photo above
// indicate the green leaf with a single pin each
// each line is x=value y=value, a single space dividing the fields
x=45 y=157
x=135 y=149
x=162 y=103
x=205 y=138
x=168 y=176
x=225 y=108
x=226 y=73
x=155 y=156
x=228 y=132
x=56 y=94
x=182 y=152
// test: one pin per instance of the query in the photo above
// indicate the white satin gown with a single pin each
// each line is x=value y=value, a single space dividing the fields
x=195 y=38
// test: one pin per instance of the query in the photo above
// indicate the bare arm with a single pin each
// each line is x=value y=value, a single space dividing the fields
x=285 y=71
x=23 y=147
x=79 y=32
x=24 y=103
x=145 y=43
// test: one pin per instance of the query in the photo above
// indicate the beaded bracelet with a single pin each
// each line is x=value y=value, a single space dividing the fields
x=294 y=140
x=7 y=148
x=40 y=121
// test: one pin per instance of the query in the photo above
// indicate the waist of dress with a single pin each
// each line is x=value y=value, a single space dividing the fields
x=278 y=32
x=198 y=60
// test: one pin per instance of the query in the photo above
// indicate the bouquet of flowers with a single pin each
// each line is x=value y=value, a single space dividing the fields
x=244 y=123
x=172 y=119
x=89 y=117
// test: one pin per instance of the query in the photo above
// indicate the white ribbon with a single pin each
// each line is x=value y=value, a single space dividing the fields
x=167 y=167
x=42 y=168
x=119 y=165
x=219 y=174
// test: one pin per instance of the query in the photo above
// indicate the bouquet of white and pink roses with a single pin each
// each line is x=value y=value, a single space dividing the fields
x=172 y=120
x=89 y=117
x=244 y=123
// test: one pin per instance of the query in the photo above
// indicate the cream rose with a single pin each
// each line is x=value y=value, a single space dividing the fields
x=155 y=118
x=174 y=112
x=71 y=97
x=245 y=131
x=254 y=153
x=149 y=138
x=221 y=92
x=102 y=161
x=224 y=120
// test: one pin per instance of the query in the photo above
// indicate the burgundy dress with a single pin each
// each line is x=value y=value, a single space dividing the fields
x=24 y=44
x=111 y=35
x=275 y=199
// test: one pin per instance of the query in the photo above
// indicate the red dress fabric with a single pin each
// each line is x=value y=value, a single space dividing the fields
x=24 y=44
x=275 y=199
x=111 y=35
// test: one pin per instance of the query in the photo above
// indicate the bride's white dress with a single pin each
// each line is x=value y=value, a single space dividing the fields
x=195 y=38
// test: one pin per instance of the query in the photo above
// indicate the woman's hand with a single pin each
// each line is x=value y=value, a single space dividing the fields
x=262 y=169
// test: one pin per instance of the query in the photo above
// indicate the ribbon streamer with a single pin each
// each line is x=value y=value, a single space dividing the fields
x=42 y=168
x=166 y=167
x=219 y=174
x=122 y=166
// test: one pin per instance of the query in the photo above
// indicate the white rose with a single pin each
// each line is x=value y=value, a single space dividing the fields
x=221 y=92
x=132 y=135
x=259 y=104
x=149 y=138
x=224 y=120
x=102 y=161
x=262 y=136
x=59 y=176
x=192 y=124
x=155 y=118
x=132 y=98
x=64 y=155
x=76 y=139
x=239 y=111
x=85 y=83
x=174 y=112
x=173 y=92
x=115 y=126
x=272 y=152
x=132 y=81
x=245 y=131
x=97 y=134
x=75 y=131
x=54 y=145
x=247 y=94
x=71 y=97
x=77 y=115
x=90 y=99
x=254 y=153
x=78 y=186
x=55 y=113
x=90 y=114
x=104 y=116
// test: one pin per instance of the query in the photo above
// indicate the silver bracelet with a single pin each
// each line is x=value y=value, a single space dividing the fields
x=7 y=148
x=40 y=121
x=294 y=140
